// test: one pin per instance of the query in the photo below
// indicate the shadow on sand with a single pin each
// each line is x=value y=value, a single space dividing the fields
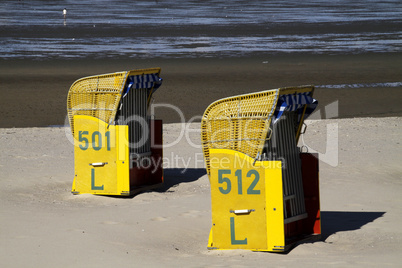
x=331 y=221
x=175 y=176
x=340 y=221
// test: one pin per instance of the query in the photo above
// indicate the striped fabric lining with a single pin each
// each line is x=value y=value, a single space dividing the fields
x=143 y=81
x=291 y=102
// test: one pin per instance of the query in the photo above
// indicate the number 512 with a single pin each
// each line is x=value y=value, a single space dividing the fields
x=238 y=173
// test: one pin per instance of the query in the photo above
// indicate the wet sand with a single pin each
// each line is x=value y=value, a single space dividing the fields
x=33 y=93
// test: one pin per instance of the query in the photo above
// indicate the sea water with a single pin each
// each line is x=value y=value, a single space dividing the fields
x=37 y=29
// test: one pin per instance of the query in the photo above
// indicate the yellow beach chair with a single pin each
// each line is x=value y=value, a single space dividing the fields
x=264 y=192
x=117 y=146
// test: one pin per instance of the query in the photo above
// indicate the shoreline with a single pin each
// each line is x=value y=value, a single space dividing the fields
x=33 y=93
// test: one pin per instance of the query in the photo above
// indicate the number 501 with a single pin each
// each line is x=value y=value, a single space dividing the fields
x=96 y=140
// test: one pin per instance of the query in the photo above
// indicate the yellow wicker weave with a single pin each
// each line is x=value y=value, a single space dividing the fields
x=241 y=122
x=99 y=96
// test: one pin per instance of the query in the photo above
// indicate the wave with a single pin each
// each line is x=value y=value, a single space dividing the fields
x=363 y=85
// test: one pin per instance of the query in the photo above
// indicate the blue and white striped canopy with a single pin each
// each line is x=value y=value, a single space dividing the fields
x=295 y=102
x=146 y=81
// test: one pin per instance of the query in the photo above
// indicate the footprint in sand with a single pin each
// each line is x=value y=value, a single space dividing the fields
x=159 y=219
x=191 y=214
x=110 y=222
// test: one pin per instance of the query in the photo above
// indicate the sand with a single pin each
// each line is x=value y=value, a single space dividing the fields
x=34 y=93
x=44 y=225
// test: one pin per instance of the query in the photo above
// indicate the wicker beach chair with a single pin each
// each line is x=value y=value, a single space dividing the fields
x=250 y=141
x=112 y=132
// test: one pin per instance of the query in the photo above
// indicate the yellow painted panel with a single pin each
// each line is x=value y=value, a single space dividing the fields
x=95 y=157
x=239 y=196
x=275 y=216
x=122 y=161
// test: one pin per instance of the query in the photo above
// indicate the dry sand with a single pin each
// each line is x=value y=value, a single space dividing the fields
x=44 y=225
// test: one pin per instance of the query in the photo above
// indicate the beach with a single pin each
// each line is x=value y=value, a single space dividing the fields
x=44 y=225
x=351 y=51
x=360 y=186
